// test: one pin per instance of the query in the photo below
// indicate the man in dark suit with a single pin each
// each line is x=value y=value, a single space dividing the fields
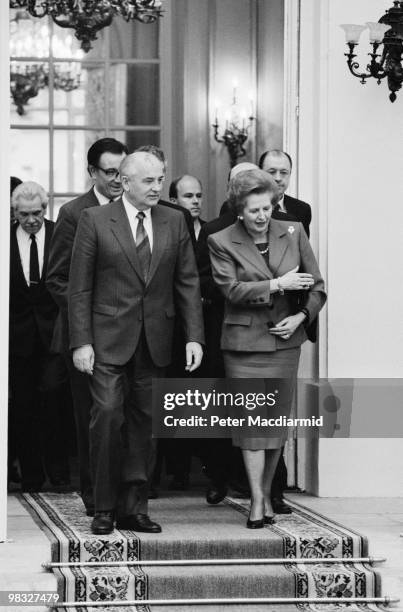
x=187 y=191
x=104 y=158
x=37 y=400
x=279 y=165
x=132 y=265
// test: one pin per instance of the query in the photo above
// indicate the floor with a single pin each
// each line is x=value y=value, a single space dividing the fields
x=381 y=520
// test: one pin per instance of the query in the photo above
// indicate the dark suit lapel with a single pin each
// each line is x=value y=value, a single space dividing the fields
x=248 y=249
x=278 y=242
x=291 y=207
x=160 y=237
x=120 y=227
x=48 y=236
x=16 y=258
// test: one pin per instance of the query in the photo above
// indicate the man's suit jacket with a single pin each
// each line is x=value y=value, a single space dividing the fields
x=110 y=303
x=297 y=210
x=58 y=272
x=32 y=311
x=60 y=258
x=243 y=277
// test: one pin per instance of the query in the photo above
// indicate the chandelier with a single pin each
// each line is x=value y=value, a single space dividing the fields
x=30 y=39
x=388 y=31
x=237 y=126
x=87 y=17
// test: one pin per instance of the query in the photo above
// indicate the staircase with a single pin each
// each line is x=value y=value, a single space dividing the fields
x=206 y=560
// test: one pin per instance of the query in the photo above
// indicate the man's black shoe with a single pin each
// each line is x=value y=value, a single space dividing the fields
x=138 y=522
x=102 y=523
x=215 y=494
x=280 y=507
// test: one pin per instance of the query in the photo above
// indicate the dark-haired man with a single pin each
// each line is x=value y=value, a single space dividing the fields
x=104 y=158
x=278 y=164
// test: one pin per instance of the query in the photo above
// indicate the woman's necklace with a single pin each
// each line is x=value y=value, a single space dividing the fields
x=265 y=250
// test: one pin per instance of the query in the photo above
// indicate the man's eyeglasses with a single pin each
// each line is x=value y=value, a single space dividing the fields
x=109 y=172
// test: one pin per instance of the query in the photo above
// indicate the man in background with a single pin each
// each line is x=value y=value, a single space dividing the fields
x=186 y=190
x=38 y=399
x=278 y=164
x=103 y=160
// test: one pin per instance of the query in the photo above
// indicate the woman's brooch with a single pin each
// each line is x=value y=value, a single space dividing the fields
x=291 y=229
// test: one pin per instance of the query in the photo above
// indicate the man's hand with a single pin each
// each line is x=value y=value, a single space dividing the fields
x=194 y=354
x=83 y=359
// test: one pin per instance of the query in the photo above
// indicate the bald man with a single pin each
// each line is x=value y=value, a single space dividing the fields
x=132 y=266
x=187 y=191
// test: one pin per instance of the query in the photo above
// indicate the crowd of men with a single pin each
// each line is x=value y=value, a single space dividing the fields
x=115 y=293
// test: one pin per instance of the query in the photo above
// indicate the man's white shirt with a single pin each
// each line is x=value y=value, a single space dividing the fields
x=132 y=213
x=24 y=246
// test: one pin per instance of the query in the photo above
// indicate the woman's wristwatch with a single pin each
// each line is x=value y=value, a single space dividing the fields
x=279 y=287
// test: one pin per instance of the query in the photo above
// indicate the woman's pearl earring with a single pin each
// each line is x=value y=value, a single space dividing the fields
x=240 y=218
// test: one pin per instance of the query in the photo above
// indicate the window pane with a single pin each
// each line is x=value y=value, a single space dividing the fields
x=58 y=203
x=135 y=139
x=29 y=36
x=133 y=39
x=65 y=45
x=24 y=159
x=85 y=104
x=134 y=94
x=29 y=78
x=70 y=153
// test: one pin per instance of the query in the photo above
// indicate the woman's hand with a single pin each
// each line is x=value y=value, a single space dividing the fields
x=285 y=328
x=295 y=281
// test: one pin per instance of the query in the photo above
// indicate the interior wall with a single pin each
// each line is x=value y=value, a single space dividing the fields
x=211 y=44
x=351 y=162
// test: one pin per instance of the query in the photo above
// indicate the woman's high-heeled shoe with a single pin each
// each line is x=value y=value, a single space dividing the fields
x=258 y=524
x=269 y=520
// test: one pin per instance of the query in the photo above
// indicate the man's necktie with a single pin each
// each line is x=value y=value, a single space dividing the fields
x=143 y=245
x=34 y=276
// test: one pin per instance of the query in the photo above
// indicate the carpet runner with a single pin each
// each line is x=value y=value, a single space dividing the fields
x=195 y=531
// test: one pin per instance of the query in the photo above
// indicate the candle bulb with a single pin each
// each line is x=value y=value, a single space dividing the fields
x=251 y=103
x=235 y=84
x=217 y=106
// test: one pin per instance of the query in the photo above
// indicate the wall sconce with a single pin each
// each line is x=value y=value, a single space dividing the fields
x=237 y=126
x=388 y=64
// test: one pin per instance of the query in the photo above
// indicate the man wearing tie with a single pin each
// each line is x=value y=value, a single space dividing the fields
x=103 y=160
x=32 y=317
x=132 y=266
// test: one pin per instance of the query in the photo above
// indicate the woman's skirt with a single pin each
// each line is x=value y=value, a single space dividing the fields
x=281 y=365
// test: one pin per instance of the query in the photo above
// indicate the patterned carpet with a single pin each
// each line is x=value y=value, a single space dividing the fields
x=192 y=530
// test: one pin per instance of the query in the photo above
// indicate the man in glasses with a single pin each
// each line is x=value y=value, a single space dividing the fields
x=104 y=158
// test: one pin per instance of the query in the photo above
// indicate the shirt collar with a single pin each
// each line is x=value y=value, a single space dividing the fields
x=134 y=210
x=280 y=203
x=40 y=235
x=100 y=197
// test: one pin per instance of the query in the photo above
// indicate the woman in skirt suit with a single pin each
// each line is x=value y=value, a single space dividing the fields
x=272 y=286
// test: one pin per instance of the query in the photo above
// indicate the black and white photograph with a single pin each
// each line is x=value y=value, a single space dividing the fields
x=201 y=323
